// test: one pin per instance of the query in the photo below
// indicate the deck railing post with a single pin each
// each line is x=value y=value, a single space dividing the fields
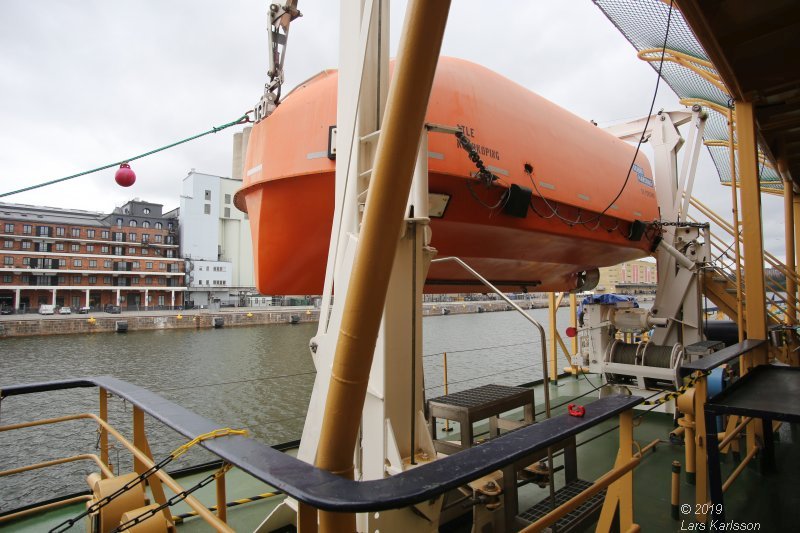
x=102 y=430
x=701 y=456
x=222 y=508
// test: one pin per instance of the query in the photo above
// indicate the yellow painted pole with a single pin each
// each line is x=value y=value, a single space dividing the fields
x=446 y=391
x=788 y=213
x=755 y=312
x=103 y=432
x=701 y=461
x=551 y=305
x=389 y=188
x=796 y=206
x=222 y=499
x=736 y=242
x=573 y=322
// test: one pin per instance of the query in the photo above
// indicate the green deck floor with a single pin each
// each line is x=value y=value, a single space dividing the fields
x=768 y=502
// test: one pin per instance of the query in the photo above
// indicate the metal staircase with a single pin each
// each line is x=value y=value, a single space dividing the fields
x=720 y=277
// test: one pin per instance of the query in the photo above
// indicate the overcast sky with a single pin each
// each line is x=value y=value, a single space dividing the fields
x=84 y=83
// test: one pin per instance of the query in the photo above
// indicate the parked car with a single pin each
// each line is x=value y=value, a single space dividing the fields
x=47 y=309
x=6 y=310
x=84 y=310
x=113 y=309
x=65 y=310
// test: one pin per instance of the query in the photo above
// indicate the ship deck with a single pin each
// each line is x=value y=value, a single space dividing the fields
x=768 y=502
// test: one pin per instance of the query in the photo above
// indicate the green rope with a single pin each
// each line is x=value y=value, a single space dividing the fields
x=241 y=120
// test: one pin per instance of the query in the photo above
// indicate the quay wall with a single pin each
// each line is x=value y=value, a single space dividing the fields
x=139 y=322
x=32 y=325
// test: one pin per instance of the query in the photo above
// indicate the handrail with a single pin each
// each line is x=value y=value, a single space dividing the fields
x=44 y=464
x=321 y=489
x=770 y=284
x=724 y=224
x=191 y=501
x=521 y=311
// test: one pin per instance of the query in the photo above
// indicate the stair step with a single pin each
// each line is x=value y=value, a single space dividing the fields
x=576 y=518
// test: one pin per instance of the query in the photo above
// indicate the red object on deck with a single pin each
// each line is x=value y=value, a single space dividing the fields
x=125 y=176
x=576 y=410
x=572 y=332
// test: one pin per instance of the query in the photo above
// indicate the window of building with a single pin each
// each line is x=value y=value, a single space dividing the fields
x=106 y=264
x=90 y=247
x=227 y=198
x=208 y=195
x=207 y=209
x=90 y=233
x=8 y=244
x=119 y=236
x=132 y=223
x=146 y=210
x=169 y=226
x=26 y=245
x=148 y=265
x=59 y=247
x=158 y=225
x=104 y=249
x=148 y=280
x=62 y=262
x=76 y=232
x=92 y=280
x=135 y=264
x=169 y=239
x=170 y=253
x=145 y=237
x=131 y=251
x=119 y=222
x=77 y=279
x=26 y=261
x=75 y=247
x=77 y=262
x=227 y=212
x=104 y=234
x=9 y=228
x=6 y=278
x=162 y=266
x=144 y=251
x=118 y=250
x=158 y=238
x=107 y=280
x=8 y=260
x=135 y=280
x=132 y=237
x=92 y=263
x=62 y=279
x=27 y=229
x=59 y=231
x=145 y=224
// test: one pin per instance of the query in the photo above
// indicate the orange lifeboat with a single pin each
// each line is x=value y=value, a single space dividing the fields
x=566 y=215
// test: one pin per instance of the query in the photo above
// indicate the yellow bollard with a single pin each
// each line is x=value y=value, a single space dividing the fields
x=676 y=489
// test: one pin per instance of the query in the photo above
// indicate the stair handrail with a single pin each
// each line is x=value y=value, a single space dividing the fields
x=770 y=284
x=724 y=224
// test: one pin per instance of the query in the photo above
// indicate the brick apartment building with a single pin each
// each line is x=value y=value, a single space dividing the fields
x=76 y=258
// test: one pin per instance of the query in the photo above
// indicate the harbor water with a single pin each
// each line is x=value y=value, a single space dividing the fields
x=259 y=378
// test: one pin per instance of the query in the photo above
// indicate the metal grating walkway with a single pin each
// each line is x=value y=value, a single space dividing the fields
x=574 y=518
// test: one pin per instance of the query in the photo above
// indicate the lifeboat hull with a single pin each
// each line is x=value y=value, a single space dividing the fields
x=578 y=172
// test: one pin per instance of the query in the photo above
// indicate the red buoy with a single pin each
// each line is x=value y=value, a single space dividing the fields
x=125 y=176
x=572 y=332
